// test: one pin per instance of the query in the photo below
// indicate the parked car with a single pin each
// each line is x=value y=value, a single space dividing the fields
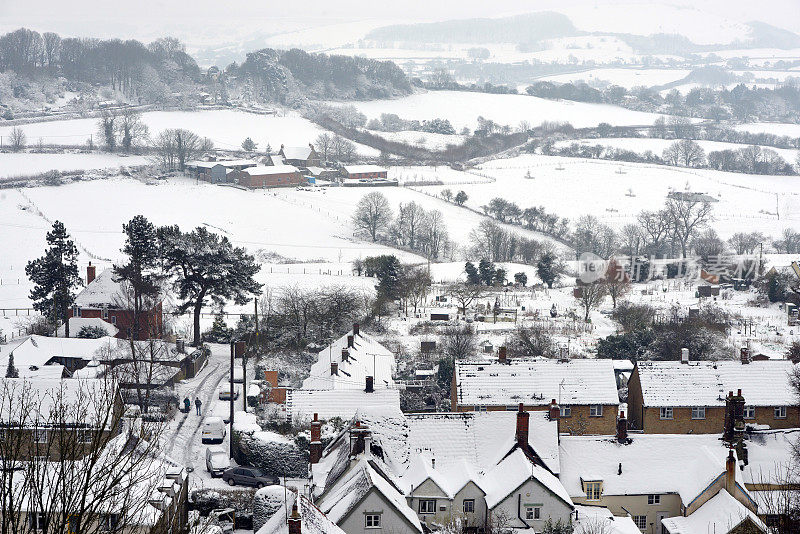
x=213 y=430
x=217 y=461
x=248 y=476
x=225 y=392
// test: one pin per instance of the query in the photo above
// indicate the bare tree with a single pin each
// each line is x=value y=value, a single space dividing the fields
x=175 y=147
x=465 y=294
x=655 y=228
x=107 y=128
x=459 y=342
x=528 y=341
x=686 y=153
x=686 y=217
x=17 y=139
x=372 y=214
x=415 y=283
x=617 y=281
x=323 y=145
x=132 y=131
x=591 y=296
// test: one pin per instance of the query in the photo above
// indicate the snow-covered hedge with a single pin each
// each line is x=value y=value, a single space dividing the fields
x=267 y=502
x=276 y=454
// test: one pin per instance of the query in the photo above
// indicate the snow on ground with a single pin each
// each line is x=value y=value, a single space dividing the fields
x=432 y=141
x=462 y=108
x=226 y=128
x=573 y=187
x=627 y=78
x=26 y=164
x=657 y=146
x=776 y=128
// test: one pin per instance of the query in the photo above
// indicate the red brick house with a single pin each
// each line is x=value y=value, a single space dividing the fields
x=105 y=299
x=269 y=176
x=364 y=172
x=300 y=156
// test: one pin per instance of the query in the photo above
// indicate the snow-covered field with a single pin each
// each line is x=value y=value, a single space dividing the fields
x=573 y=187
x=226 y=128
x=432 y=141
x=777 y=128
x=623 y=77
x=26 y=164
x=657 y=146
x=463 y=108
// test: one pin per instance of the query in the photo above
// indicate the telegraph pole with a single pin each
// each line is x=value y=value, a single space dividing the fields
x=230 y=436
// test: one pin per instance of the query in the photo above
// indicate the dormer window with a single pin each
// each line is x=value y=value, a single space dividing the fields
x=593 y=490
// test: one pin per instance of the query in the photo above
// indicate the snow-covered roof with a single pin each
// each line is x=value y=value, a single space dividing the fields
x=721 y=514
x=363 y=169
x=76 y=323
x=265 y=170
x=351 y=488
x=315 y=171
x=31 y=356
x=651 y=463
x=771 y=457
x=102 y=291
x=536 y=381
x=512 y=472
x=480 y=438
x=599 y=519
x=296 y=152
x=224 y=163
x=366 y=358
x=302 y=404
x=622 y=365
x=705 y=383
x=312 y=520
x=88 y=397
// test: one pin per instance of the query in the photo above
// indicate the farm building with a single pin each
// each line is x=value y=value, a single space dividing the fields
x=217 y=171
x=269 y=176
x=300 y=156
x=364 y=172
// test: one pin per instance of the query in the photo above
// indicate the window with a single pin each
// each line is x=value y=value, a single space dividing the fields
x=427 y=506
x=654 y=499
x=109 y=522
x=532 y=512
x=641 y=521
x=593 y=491
x=39 y=435
x=698 y=412
x=596 y=410
x=105 y=313
x=480 y=408
x=749 y=412
x=512 y=408
x=38 y=520
x=666 y=412
x=469 y=506
x=372 y=520
x=780 y=412
x=84 y=435
x=565 y=411
x=113 y=319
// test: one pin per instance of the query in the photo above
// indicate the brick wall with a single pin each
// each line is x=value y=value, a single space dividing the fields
x=578 y=423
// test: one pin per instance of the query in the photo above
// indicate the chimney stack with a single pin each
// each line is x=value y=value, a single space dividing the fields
x=91 y=272
x=501 y=355
x=622 y=428
x=730 y=473
x=356 y=329
x=685 y=355
x=744 y=354
x=334 y=368
x=370 y=386
x=345 y=355
x=294 y=522
x=316 y=441
x=350 y=343
x=523 y=423
x=555 y=411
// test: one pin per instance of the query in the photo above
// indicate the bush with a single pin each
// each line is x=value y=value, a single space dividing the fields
x=91 y=332
x=280 y=458
x=530 y=341
x=633 y=317
x=630 y=346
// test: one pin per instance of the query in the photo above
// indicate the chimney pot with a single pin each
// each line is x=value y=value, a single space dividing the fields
x=555 y=411
x=622 y=428
x=91 y=273
x=315 y=449
x=356 y=329
x=523 y=424
x=350 y=341
x=501 y=355
x=345 y=355
x=370 y=385
x=685 y=355
x=334 y=368
x=744 y=355
x=294 y=522
x=730 y=473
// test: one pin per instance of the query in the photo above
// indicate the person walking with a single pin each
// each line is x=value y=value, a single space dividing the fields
x=198 y=403
x=187 y=404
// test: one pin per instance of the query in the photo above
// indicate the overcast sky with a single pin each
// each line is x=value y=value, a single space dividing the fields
x=146 y=18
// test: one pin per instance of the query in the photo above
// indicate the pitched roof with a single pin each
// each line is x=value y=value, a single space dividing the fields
x=351 y=488
x=102 y=291
x=480 y=438
x=593 y=519
x=77 y=323
x=312 y=520
x=705 y=383
x=363 y=169
x=265 y=170
x=651 y=463
x=86 y=399
x=296 y=152
x=367 y=357
x=512 y=472
x=536 y=381
x=721 y=514
x=771 y=457
x=32 y=355
x=302 y=404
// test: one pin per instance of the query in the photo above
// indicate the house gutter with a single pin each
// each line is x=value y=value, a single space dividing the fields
x=519 y=511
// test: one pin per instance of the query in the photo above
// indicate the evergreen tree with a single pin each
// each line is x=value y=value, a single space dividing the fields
x=487 y=271
x=140 y=272
x=11 y=371
x=55 y=276
x=473 y=277
x=249 y=145
x=386 y=269
x=547 y=269
x=460 y=198
x=521 y=279
x=219 y=332
x=206 y=266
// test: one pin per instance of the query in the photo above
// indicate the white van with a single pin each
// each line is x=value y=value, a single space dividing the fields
x=213 y=430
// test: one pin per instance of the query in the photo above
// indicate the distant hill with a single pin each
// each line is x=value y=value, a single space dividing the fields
x=526 y=28
x=765 y=35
